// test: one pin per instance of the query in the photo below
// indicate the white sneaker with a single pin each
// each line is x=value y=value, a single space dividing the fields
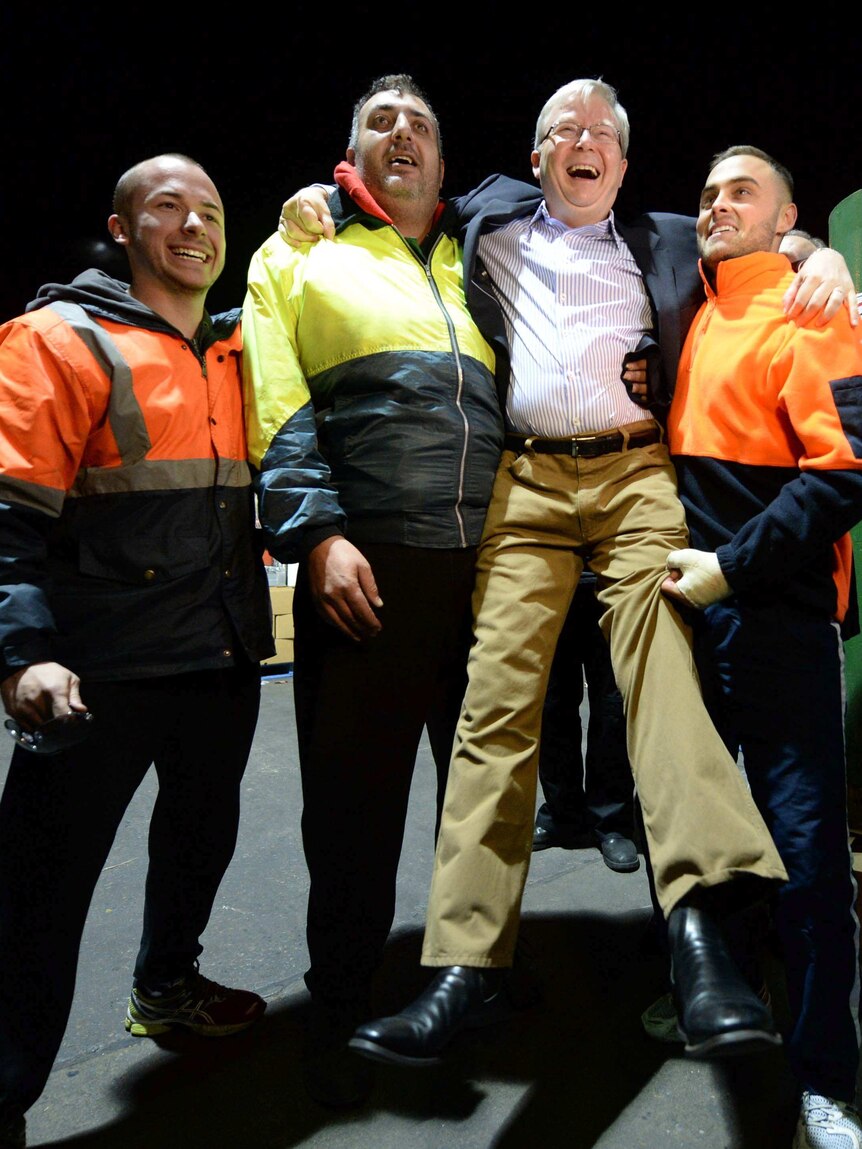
x=827 y=1124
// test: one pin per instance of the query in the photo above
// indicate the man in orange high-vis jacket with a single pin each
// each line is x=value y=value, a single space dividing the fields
x=133 y=592
x=765 y=431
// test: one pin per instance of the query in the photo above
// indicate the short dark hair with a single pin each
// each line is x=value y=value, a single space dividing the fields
x=780 y=170
x=404 y=85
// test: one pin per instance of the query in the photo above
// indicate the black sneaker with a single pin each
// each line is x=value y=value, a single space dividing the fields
x=196 y=1003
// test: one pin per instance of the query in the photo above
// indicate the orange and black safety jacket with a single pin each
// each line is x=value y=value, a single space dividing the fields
x=127 y=521
x=765 y=432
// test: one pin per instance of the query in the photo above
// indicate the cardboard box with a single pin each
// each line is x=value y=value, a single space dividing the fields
x=283 y=624
x=281 y=598
x=283 y=653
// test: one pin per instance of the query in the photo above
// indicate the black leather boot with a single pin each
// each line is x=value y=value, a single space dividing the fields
x=719 y=1014
x=460 y=997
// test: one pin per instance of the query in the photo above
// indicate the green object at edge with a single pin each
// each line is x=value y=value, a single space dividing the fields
x=845 y=235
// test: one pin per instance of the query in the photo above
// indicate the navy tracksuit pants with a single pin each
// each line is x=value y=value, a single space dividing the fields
x=773 y=680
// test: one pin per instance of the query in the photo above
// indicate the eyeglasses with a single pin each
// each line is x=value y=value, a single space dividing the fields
x=570 y=132
x=53 y=736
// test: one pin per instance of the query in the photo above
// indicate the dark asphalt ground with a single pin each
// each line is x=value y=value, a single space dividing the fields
x=576 y=1071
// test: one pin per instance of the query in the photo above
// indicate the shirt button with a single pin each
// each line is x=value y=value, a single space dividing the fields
x=149 y=575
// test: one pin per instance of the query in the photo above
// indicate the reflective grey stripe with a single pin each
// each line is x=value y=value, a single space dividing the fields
x=162 y=475
x=34 y=496
x=124 y=413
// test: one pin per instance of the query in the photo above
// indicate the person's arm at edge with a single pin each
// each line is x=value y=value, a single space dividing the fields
x=33 y=686
x=305 y=217
x=822 y=286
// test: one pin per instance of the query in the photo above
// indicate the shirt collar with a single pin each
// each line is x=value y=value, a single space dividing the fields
x=604 y=229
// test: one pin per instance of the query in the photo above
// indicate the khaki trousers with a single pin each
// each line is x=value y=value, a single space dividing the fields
x=549 y=516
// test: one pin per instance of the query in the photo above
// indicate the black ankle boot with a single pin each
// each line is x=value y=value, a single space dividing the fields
x=460 y=997
x=719 y=1014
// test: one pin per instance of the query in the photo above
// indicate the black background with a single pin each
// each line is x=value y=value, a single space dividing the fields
x=264 y=102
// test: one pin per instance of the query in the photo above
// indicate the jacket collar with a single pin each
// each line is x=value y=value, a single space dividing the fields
x=347 y=178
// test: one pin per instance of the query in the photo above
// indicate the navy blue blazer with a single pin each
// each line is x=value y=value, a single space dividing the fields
x=664 y=247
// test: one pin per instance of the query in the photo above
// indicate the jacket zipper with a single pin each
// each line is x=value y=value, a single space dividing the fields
x=459 y=370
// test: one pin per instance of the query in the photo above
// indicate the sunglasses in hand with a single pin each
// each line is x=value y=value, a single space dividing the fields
x=55 y=735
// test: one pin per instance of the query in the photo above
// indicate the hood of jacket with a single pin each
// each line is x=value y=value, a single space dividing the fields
x=104 y=297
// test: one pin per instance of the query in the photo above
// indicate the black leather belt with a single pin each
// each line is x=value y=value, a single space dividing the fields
x=584 y=446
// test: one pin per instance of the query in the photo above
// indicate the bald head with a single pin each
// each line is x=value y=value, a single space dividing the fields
x=141 y=174
x=169 y=218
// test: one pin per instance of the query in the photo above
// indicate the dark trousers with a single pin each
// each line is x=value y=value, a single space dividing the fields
x=592 y=792
x=58 y=819
x=773 y=682
x=360 y=712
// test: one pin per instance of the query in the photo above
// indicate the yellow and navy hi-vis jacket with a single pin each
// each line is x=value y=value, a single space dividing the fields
x=370 y=400
x=126 y=509
x=765 y=430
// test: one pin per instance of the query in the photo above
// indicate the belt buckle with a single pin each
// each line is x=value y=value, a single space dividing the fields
x=578 y=440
